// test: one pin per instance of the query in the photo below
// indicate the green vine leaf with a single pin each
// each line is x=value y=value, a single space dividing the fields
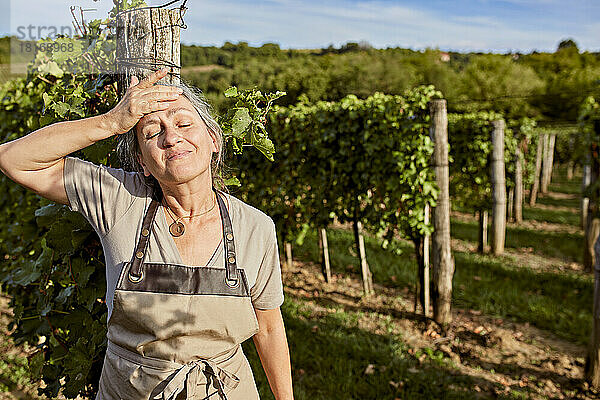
x=51 y=68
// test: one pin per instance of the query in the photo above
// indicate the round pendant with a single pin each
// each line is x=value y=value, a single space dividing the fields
x=176 y=229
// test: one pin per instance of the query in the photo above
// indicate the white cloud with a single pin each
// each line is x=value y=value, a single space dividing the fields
x=479 y=20
x=311 y=23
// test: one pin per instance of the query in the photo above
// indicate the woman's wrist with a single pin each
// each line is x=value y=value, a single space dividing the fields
x=108 y=123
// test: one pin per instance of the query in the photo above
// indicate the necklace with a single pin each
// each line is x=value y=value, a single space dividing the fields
x=177 y=228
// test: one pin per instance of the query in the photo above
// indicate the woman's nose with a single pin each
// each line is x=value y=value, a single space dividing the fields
x=171 y=136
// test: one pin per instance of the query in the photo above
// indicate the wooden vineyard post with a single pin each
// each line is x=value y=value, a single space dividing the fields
x=592 y=225
x=324 y=248
x=148 y=39
x=518 y=195
x=422 y=289
x=498 y=189
x=483 y=231
x=592 y=365
x=585 y=182
x=570 y=169
x=544 y=172
x=571 y=163
x=550 y=160
x=511 y=204
x=289 y=261
x=538 y=170
x=367 y=277
x=426 y=285
x=442 y=261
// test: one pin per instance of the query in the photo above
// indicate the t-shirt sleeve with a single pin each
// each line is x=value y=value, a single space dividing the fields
x=267 y=292
x=101 y=194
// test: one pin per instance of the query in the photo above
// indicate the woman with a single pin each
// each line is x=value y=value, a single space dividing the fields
x=191 y=272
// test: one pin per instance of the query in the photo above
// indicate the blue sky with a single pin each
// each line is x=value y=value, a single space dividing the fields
x=464 y=25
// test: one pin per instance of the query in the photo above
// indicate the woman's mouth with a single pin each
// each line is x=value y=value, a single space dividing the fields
x=177 y=155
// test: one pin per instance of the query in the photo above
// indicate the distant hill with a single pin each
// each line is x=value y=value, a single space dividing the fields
x=547 y=86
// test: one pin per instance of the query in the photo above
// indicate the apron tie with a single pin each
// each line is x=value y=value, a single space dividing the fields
x=195 y=373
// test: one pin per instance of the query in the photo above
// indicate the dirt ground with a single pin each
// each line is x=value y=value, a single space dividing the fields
x=514 y=355
x=501 y=355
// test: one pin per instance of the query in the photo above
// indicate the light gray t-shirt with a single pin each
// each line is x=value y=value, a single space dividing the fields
x=115 y=201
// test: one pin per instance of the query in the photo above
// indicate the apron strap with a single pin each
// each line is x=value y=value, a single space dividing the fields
x=135 y=272
x=231 y=278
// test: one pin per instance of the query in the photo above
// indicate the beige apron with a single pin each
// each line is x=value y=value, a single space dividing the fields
x=175 y=330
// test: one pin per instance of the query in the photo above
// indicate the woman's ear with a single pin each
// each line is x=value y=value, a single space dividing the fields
x=215 y=145
x=144 y=168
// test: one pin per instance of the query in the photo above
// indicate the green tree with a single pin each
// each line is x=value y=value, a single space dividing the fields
x=498 y=83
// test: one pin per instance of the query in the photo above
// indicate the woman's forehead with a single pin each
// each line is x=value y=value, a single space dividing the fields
x=181 y=105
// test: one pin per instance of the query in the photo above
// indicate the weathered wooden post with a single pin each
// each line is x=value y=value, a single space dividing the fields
x=324 y=248
x=518 y=194
x=442 y=261
x=570 y=169
x=544 y=173
x=483 y=231
x=498 y=188
x=289 y=261
x=367 y=277
x=571 y=163
x=425 y=283
x=550 y=159
x=592 y=365
x=422 y=295
x=538 y=169
x=148 y=39
x=585 y=182
x=511 y=204
x=592 y=225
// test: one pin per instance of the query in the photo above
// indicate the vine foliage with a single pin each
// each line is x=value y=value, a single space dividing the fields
x=53 y=266
x=589 y=123
x=470 y=151
x=355 y=160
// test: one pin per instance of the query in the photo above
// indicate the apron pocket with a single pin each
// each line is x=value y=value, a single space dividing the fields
x=124 y=379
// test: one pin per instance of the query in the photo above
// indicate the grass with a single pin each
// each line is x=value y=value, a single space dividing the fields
x=395 y=270
x=556 y=301
x=568 y=246
x=564 y=217
x=550 y=201
x=561 y=184
x=330 y=361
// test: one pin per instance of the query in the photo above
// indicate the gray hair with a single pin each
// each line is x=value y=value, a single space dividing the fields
x=128 y=148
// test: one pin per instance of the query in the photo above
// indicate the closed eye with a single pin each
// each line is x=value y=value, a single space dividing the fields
x=153 y=135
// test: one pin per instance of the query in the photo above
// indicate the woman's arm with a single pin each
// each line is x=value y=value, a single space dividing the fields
x=271 y=344
x=36 y=161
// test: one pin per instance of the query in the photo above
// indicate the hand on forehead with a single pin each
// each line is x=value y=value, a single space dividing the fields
x=182 y=106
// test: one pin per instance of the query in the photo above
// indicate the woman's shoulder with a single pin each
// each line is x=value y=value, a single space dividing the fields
x=102 y=194
x=106 y=176
x=250 y=217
